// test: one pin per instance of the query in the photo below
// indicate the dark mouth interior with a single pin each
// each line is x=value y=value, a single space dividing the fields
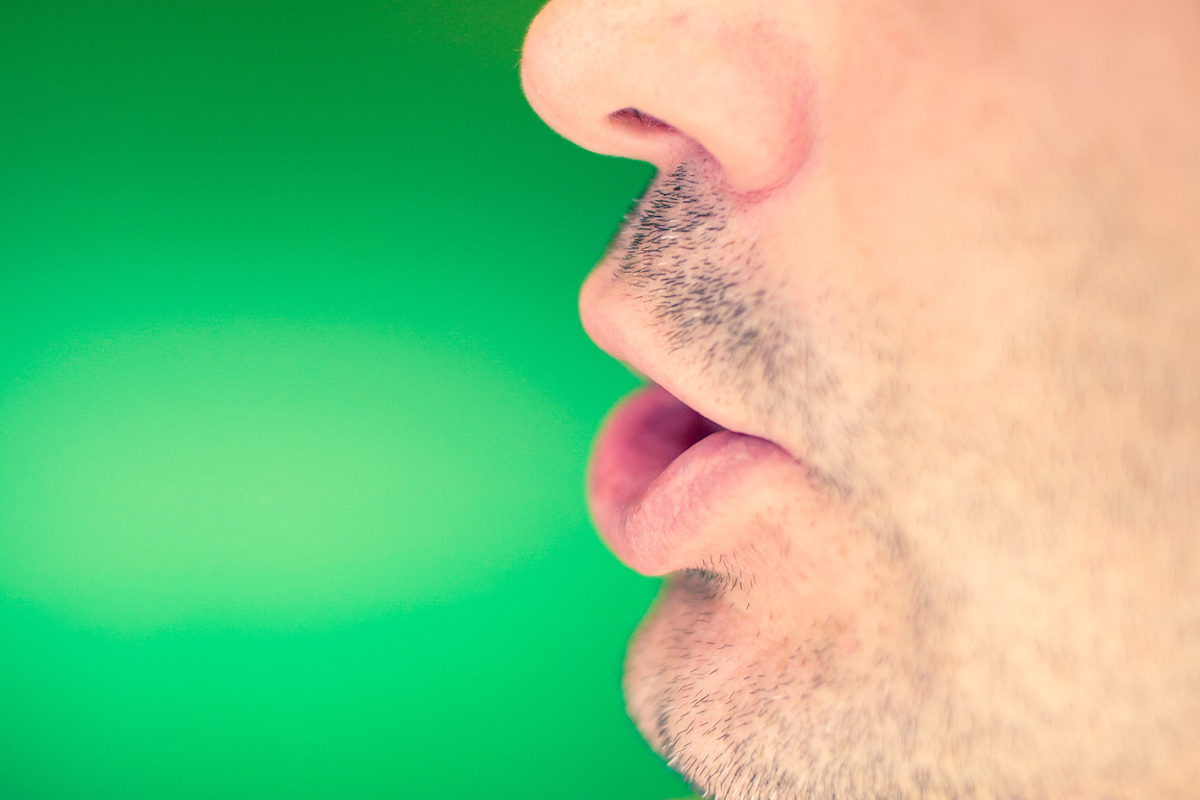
x=675 y=428
x=699 y=428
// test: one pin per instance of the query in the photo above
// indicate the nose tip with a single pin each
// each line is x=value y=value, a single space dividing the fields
x=659 y=80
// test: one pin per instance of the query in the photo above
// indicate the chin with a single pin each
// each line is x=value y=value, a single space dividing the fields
x=743 y=706
x=752 y=693
x=750 y=701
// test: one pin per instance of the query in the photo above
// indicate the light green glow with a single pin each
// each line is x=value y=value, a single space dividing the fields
x=267 y=470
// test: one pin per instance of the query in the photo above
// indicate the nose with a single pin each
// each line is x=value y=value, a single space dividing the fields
x=666 y=80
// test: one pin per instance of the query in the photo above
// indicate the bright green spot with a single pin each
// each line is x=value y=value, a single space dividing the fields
x=268 y=471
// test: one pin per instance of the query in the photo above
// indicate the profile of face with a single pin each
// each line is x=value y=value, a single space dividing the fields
x=918 y=288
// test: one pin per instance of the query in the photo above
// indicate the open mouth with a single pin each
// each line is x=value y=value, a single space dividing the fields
x=640 y=439
x=654 y=474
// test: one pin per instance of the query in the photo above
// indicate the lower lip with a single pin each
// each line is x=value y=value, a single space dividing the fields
x=655 y=473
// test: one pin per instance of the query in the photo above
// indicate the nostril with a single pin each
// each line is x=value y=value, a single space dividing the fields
x=659 y=81
x=633 y=118
x=646 y=137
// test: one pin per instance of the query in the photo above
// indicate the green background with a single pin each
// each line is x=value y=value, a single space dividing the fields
x=295 y=409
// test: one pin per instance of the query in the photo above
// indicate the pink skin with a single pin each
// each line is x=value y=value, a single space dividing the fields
x=933 y=533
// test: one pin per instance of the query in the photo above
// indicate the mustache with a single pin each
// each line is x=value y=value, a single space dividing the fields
x=683 y=255
x=676 y=254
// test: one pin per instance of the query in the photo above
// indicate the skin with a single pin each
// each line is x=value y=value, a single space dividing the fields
x=945 y=256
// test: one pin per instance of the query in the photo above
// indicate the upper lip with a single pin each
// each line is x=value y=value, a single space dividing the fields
x=604 y=321
x=621 y=314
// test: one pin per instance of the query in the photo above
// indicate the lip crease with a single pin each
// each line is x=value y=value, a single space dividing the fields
x=654 y=476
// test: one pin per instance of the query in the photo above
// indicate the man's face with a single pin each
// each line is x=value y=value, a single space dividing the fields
x=924 y=278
